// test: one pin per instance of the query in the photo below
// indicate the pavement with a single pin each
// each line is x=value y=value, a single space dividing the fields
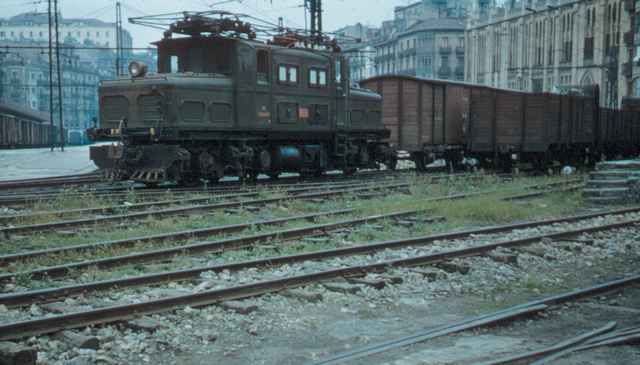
x=41 y=162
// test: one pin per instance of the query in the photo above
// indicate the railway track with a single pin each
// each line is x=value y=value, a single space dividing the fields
x=122 y=312
x=122 y=191
x=209 y=198
x=16 y=193
x=7 y=231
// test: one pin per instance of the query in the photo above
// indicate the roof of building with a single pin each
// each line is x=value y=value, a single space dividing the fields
x=437 y=24
x=42 y=18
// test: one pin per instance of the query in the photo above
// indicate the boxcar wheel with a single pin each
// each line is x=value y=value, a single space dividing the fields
x=419 y=160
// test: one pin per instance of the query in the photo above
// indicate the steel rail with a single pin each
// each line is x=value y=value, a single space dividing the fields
x=116 y=313
x=293 y=180
x=186 y=210
x=556 y=348
x=207 y=246
x=187 y=234
x=139 y=193
x=26 y=197
x=480 y=321
x=537 y=194
x=50 y=294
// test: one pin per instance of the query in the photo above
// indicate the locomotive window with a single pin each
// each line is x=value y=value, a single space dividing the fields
x=288 y=74
x=174 y=64
x=357 y=116
x=317 y=77
x=192 y=111
x=220 y=113
x=287 y=112
x=194 y=55
x=313 y=77
x=322 y=77
x=263 y=66
x=282 y=73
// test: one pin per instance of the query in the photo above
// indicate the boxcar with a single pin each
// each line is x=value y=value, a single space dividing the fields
x=436 y=119
x=425 y=117
x=22 y=128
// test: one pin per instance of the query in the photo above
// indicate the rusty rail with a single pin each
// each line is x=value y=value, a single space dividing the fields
x=223 y=244
x=128 y=242
x=54 y=293
x=160 y=203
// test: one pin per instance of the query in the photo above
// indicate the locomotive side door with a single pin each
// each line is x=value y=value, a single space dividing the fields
x=342 y=88
x=264 y=89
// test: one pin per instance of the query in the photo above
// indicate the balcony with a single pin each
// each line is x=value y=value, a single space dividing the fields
x=445 y=50
x=444 y=72
x=459 y=72
x=460 y=51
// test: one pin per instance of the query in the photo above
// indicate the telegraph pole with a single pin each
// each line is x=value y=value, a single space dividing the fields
x=52 y=135
x=118 y=39
x=315 y=12
x=60 y=96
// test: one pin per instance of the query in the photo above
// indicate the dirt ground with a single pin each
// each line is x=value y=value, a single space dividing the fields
x=292 y=331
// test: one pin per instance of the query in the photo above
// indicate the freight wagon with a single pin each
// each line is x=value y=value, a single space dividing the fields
x=461 y=122
x=23 y=128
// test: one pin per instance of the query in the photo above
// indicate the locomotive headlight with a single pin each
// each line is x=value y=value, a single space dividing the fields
x=137 y=69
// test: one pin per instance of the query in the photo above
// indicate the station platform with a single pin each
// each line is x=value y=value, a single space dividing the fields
x=41 y=162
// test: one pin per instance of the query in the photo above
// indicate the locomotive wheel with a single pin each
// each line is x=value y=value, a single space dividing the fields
x=392 y=164
x=249 y=177
x=349 y=171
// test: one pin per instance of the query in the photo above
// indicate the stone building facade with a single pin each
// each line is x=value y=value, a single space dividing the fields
x=24 y=80
x=35 y=27
x=553 y=46
x=425 y=39
x=356 y=44
x=87 y=55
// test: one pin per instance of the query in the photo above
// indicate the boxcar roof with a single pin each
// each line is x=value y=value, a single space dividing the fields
x=12 y=108
x=445 y=82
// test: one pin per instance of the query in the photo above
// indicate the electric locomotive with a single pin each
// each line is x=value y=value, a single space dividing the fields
x=224 y=103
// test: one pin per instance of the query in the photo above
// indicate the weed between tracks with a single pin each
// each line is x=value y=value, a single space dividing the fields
x=473 y=211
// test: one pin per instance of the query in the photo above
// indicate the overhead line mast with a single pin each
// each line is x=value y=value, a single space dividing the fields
x=52 y=132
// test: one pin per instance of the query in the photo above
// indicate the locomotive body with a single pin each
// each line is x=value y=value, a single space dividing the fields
x=234 y=106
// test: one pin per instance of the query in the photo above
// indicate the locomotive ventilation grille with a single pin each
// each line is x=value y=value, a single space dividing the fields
x=115 y=108
x=151 y=106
